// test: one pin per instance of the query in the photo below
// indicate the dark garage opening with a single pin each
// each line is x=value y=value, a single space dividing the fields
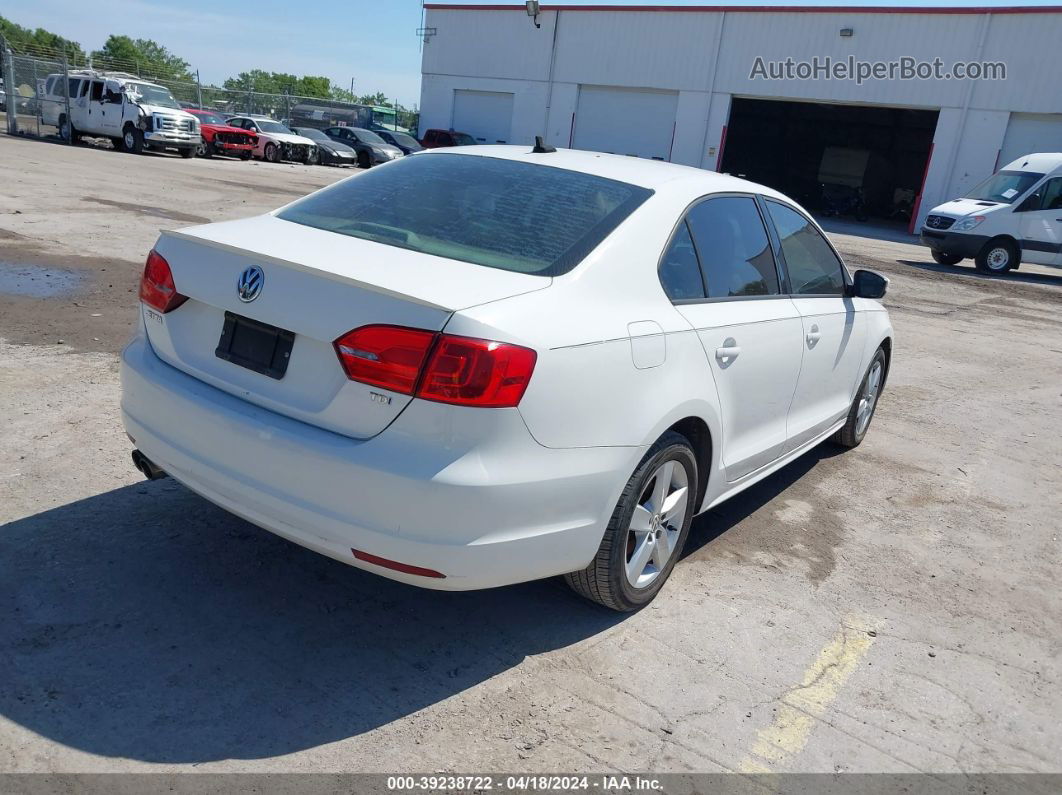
x=845 y=160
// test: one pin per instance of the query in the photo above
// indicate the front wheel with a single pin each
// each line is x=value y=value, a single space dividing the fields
x=941 y=258
x=647 y=531
x=246 y=154
x=364 y=161
x=187 y=152
x=866 y=401
x=271 y=153
x=133 y=140
x=204 y=149
x=998 y=256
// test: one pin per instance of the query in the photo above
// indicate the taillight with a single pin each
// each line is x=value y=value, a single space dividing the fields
x=472 y=372
x=387 y=356
x=440 y=367
x=157 y=289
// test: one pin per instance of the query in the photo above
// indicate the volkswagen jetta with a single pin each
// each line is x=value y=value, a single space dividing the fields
x=475 y=367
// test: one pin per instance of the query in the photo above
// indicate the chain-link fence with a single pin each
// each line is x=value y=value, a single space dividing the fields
x=36 y=97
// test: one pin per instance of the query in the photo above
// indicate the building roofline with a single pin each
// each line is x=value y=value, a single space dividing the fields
x=765 y=8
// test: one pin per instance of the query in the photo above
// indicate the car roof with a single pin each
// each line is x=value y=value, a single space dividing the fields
x=1039 y=163
x=652 y=174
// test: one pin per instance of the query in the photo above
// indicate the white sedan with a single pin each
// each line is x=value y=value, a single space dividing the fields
x=475 y=367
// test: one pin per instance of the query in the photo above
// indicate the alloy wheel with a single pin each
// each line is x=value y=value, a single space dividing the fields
x=656 y=524
x=869 y=398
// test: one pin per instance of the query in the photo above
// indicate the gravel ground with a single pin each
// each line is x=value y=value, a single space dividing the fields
x=893 y=608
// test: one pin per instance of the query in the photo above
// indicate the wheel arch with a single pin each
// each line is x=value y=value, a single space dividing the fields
x=699 y=435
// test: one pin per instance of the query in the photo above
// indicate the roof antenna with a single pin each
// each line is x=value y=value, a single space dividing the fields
x=541 y=148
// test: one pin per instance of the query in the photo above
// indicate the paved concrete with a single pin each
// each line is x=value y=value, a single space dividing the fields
x=892 y=608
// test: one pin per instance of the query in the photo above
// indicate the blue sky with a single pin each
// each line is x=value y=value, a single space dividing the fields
x=373 y=41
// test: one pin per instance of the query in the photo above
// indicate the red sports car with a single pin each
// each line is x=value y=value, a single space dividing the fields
x=221 y=139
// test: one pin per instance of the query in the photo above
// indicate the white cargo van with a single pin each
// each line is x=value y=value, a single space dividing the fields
x=135 y=114
x=1014 y=216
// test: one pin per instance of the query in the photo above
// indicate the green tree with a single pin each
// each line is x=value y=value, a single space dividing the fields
x=379 y=98
x=39 y=41
x=264 y=82
x=144 y=55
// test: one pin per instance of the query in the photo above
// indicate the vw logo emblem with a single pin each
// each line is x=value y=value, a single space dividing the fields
x=250 y=283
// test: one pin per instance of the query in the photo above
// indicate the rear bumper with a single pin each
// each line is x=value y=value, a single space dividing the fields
x=957 y=243
x=472 y=496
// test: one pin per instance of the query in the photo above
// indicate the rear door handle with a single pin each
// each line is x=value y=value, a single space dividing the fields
x=813 y=336
x=727 y=352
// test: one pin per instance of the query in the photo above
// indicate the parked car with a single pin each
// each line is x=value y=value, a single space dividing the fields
x=1014 y=216
x=275 y=141
x=433 y=139
x=386 y=389
x=221 y=138
x=371 y=148
x=329 y=152
x=404 y=141
x=135 y=114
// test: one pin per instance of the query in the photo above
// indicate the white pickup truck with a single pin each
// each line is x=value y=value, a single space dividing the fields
x=135 y=114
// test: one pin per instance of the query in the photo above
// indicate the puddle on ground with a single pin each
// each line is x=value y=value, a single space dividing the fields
x=38 y=281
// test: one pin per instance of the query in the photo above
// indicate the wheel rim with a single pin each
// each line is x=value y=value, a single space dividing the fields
x=64 y=131
x=201 y=150
x=869 y=399
x=271 y=153
x=656 y=524
x=129 y=138
x=998 y=259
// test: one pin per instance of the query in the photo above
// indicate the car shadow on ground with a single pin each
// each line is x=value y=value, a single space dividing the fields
x=713 y=523
x=148 y=624
x=967 y=269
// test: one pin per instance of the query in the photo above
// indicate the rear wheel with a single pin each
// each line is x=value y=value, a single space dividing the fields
x=67 y=130
x=866 y=401
x=363 y=160
x=998 y=256
x=647 y=531
x=941 y=258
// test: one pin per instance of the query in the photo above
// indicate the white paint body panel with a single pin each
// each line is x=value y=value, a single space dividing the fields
x=486 y=496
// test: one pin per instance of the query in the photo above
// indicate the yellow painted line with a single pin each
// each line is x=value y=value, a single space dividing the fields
x=802 y=706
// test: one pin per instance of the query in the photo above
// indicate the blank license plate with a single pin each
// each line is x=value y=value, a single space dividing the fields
x=257 y=346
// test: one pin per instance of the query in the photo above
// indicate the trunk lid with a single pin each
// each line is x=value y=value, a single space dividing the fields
x=318 y=285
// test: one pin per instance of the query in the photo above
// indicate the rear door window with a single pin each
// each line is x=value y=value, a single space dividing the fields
x=733 y=247
x=505 y=214
x=97 y=91
x=813 y=267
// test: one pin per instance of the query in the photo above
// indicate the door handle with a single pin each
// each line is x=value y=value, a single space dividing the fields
x=813 y=336
x=727 y=352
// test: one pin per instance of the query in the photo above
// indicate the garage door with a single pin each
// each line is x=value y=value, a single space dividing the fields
x=1031 y=132
x=485 y=115
x=626 y=121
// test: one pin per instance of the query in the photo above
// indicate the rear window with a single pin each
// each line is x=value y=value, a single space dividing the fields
x=503 y=214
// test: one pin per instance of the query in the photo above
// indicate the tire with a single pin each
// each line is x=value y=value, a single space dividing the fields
x=941 y=258
x=363 y=160
x=205 y=149
x=187 y=152
x=998 y=256
x=271 y=153
x=312 y=157
x=606 y=580
x=863 y=406
x=132 y=140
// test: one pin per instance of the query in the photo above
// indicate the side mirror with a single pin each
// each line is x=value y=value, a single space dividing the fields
x=868 y=284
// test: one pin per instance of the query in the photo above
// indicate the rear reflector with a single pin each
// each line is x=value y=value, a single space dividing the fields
x=157 y=289
x=442 y=367
x=394 y=564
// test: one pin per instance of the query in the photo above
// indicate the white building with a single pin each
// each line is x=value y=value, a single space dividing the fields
x=677 y=83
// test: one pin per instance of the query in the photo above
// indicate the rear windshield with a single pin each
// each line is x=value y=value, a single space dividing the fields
x=503 y=214
x=1004 y=187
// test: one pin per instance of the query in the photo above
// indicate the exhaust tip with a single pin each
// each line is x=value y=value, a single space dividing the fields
x=147 y=466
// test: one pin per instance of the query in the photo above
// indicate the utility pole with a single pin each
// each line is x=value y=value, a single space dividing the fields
x=198 y=90
x=352 y=97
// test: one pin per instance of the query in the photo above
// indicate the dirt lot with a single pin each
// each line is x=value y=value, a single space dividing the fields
x=894 y=608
